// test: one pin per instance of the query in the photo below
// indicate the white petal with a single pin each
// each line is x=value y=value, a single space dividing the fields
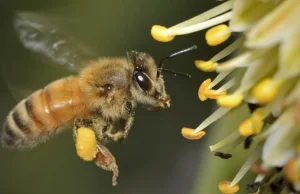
x=287 y=94
x=289 y=58
x=279 y=146
x=297 y=186
x=263 y=62
x=273 y=27
x=248 y=12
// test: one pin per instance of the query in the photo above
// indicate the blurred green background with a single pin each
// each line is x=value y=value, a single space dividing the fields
x=155 y=158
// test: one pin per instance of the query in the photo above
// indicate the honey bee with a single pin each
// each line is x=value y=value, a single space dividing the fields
x=107 y=90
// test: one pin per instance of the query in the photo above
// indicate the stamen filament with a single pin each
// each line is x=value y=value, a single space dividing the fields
x=255 y=155
x=284 y=120
x=226 y=86
x=206 y=15
x=260 y=178
x=228 y=50
x=200 y=26
x=239 y=61
x=228 y=140
x=212 y=118
x=219 y=78
x=234 y=145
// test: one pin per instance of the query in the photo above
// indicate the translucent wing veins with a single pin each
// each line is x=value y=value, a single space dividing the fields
x=40 y=36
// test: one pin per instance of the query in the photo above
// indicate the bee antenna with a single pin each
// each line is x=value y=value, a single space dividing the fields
x=160 y=67
x=186 y=75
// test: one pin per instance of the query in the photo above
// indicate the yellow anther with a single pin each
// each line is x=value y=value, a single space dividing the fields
x=207 y=66
x=292 y=170
x=230 y=100
x=160 y=34
x=86 y=144
x=259 y=112
x=214 y=94
x=248 y=127
x=203 y=87
x=217 y=35
x=257 y=120
x=188 y=133
x=224 y=187
x=265 y=91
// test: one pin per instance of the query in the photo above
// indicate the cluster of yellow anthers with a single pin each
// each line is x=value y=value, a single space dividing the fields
x=268 y=47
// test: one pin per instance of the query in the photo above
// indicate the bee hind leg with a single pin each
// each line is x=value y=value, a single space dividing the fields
x=105 y=160
x=80 y=122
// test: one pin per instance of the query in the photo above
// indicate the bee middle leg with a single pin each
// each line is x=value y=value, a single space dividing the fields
x=105 y=129
x=111 y=134
x=126 y=123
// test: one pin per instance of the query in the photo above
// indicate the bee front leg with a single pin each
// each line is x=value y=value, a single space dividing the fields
x=126 y=123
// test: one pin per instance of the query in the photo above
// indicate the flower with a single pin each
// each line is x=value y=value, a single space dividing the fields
x=268 y=52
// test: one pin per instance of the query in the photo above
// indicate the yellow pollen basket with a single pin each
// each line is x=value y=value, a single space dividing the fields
x=217 y=35
x=206 y=66
x=230 y=100
x=86 y=147
x=188 y=133
x=160 y=34
x=224 y=187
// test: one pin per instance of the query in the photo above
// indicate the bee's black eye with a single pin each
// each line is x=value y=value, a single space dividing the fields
x=143 y=80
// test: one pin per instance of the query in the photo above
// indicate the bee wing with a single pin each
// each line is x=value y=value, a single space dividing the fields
x=61 y=54
x=38 y=35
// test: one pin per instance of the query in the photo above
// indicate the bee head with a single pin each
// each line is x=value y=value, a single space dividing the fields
x=149 y=86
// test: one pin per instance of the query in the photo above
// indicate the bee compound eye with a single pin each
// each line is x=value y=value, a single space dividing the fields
x=143 y=81
x=107 y=87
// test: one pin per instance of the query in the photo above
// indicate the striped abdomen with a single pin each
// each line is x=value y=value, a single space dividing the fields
x=44 y=113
